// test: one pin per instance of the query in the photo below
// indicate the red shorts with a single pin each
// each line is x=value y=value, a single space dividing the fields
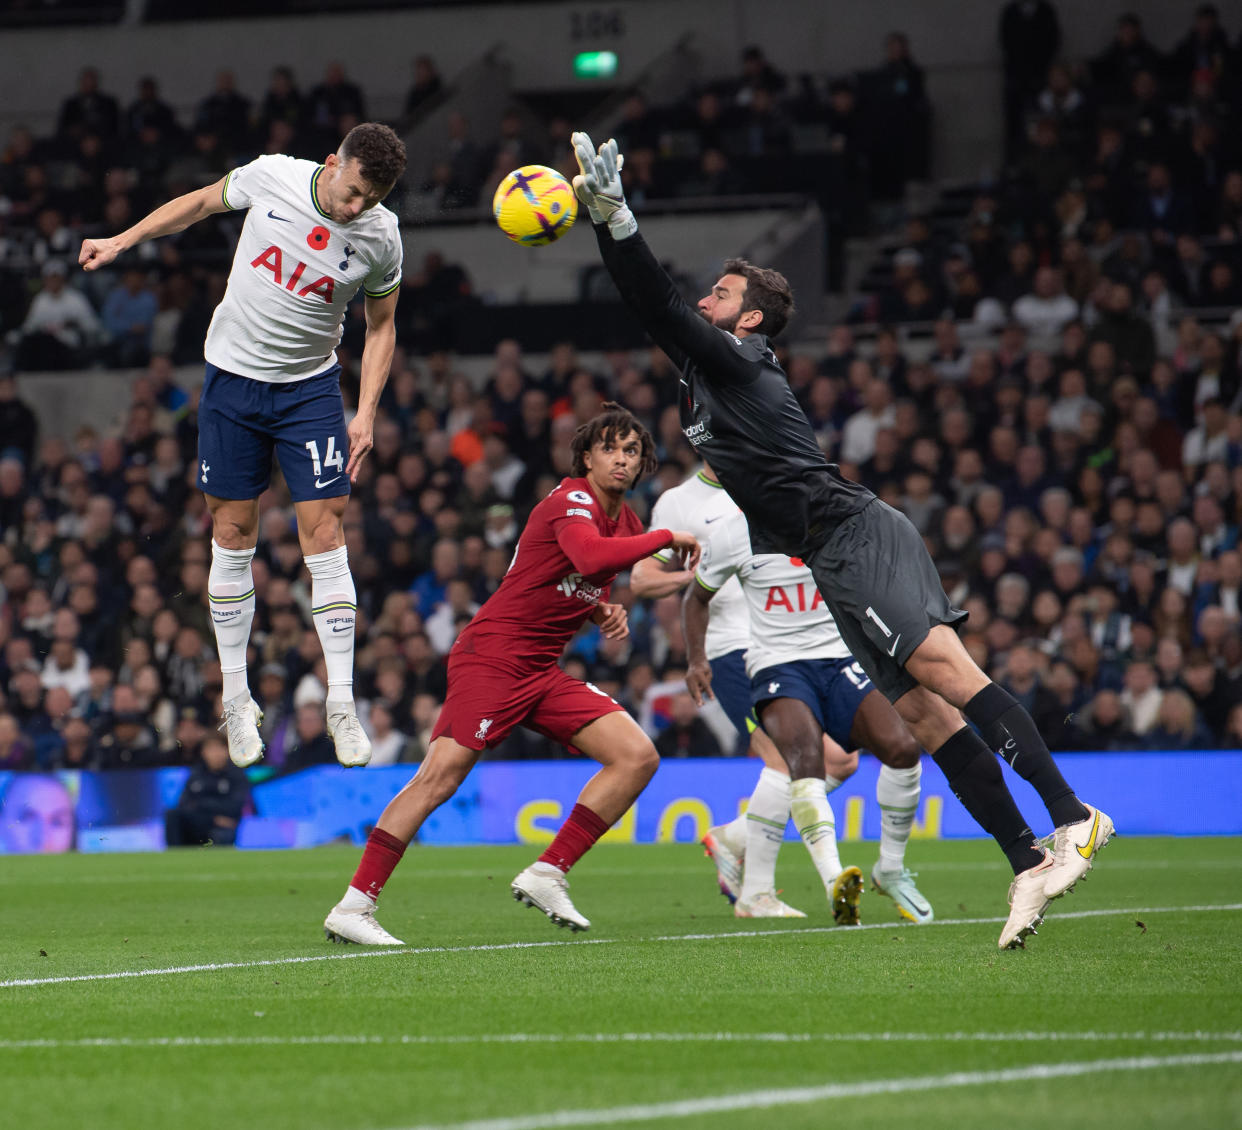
x=485 y=701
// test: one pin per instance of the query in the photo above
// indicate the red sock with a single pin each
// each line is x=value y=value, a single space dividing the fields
x=575 y=838
x=382 y=853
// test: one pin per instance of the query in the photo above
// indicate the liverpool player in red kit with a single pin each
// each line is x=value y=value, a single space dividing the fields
x=503 y=672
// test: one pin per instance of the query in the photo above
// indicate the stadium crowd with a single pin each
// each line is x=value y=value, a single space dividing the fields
x=1076 y=471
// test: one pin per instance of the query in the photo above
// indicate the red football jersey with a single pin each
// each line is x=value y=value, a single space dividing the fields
x=543 y=600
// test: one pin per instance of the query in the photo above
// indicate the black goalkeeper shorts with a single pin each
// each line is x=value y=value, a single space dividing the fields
x=884 y=592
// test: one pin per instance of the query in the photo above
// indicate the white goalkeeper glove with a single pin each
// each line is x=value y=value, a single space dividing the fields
x=598 y=185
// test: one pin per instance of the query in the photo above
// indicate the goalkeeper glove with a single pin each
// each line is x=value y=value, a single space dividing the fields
x=598 y=185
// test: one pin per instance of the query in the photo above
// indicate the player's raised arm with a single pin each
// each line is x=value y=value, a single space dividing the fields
x=174 y=216
x=680 y=330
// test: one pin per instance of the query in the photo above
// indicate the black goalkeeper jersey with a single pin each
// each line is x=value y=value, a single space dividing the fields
x=738 y=412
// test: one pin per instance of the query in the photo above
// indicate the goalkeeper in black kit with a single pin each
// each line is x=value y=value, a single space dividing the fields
x=868 y=560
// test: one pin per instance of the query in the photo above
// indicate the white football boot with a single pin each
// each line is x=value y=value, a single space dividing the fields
x=241 y=725
x=847 y=889
x=1027 y=903
x=764 y=905
x=899 y=886
x=549 y=891
x=728 y=864
x=358 y=926
x=353 y=747
x=1074 y=848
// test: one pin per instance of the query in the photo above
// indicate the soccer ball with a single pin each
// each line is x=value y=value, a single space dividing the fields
x=534 y=205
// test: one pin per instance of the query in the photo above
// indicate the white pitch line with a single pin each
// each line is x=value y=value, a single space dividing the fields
x=762 y=1100
x=394 y=951
x=347 y=1040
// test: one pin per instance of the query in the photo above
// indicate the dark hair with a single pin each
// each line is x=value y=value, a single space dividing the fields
x=608 y=427
x=378 y=150
x=767 y=291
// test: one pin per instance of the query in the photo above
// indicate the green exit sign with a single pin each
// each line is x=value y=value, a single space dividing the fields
x=595 y=64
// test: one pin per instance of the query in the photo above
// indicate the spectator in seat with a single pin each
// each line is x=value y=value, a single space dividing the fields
x=1030 y=36
x=59 y=326
x=128 y=315
x=1178 y=725
x=1161 y=210
x=212 y=803
x=333 y=100
x=89 y=111
x=1104 y=725
x=1047 y=309
x=149 y=111
x=310 y=744
x=686 y=734
x=127 y=740
x=388 y=744
x=226 y=114
x=1113 y=70
x=426 y=85
x=15 y=750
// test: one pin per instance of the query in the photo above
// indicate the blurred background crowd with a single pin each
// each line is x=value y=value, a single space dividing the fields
x=1042 y=369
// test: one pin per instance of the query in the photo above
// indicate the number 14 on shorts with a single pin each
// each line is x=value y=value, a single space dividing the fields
x=332 y=458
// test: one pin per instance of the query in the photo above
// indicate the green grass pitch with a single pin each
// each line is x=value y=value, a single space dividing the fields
x=1125 y=1011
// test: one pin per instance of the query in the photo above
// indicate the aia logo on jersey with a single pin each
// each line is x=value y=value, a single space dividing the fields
x=273 y=260
x=778 y=597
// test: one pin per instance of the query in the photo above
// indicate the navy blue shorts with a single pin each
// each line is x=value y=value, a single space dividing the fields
x=731 y=686
x=832 y=688
x=241 y=422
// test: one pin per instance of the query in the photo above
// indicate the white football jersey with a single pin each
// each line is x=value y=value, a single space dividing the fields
x=294 y=272
x=696 y=506
x=789 y=619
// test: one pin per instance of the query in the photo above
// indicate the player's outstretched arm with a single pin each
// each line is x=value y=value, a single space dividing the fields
x=652 y=578
x=644 y=285
x=694 y=618
x=592 y=553
x=177 y=215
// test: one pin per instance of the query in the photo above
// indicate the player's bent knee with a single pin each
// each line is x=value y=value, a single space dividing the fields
x=903 y=753
x=642 y=761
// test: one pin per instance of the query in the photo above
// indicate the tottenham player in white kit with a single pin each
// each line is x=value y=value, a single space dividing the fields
x=698 y=505
x=313 y=236
x=805 y=684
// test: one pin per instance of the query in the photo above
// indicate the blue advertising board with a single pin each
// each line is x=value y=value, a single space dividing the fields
x=1190 y=793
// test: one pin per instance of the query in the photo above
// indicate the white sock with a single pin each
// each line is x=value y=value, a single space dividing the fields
x=230 y=592
x=765 y=820
x=812 y=816
x=333 y=607
x=897 y=792
x=734 y=833
x=356 y=900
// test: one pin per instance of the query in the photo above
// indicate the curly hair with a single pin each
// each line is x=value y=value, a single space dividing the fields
x=767 y=291
x=613 y=423
x=380 y=153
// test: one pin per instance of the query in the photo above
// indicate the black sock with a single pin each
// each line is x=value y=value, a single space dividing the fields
x=976 y=781
x=1011 y=732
